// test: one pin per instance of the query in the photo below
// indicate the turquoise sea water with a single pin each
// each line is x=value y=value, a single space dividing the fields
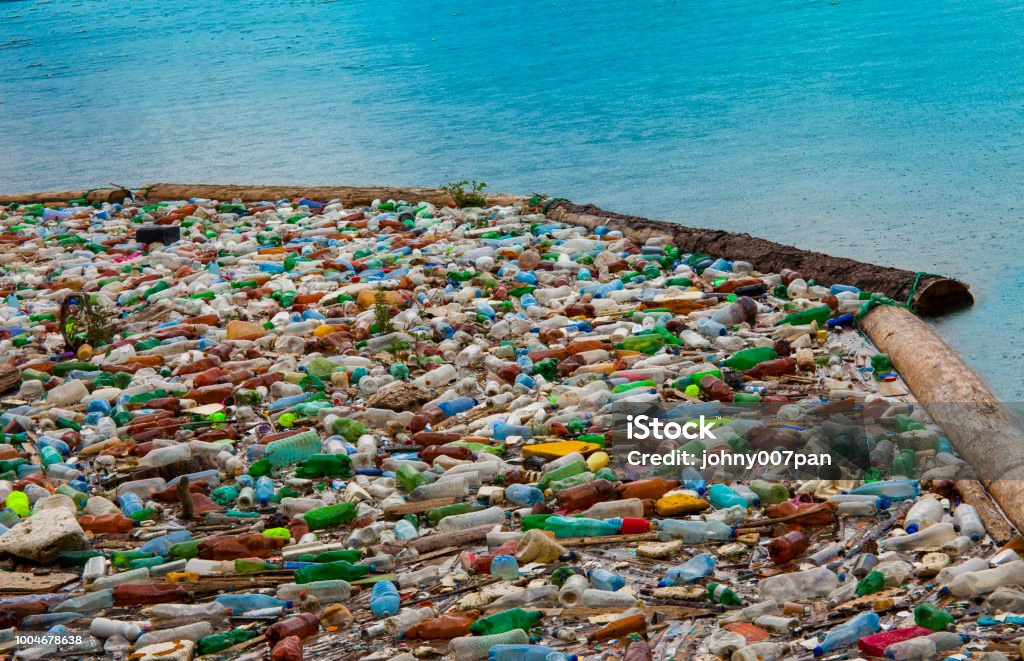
x=886 y=131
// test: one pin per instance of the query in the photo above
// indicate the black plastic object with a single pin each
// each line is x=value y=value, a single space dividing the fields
x=165 y=234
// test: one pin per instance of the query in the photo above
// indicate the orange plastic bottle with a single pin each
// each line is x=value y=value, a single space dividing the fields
x=288 y=649
x=777 y=367
x=114 y=522
x=302 y=625
x=653 y=488
x=450 y=625
x=620 y=628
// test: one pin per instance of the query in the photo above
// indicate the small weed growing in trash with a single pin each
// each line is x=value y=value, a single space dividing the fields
x=382 y=314
x=473 y=197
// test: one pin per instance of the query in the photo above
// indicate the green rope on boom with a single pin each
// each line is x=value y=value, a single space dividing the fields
x=879 y=299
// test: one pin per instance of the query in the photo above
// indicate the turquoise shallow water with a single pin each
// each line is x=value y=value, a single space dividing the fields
x=888 y=132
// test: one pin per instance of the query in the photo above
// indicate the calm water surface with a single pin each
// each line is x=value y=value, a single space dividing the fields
x=888 y=132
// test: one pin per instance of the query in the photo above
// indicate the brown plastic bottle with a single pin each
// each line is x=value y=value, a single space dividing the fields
x=653 y=488
x=288 y=649
x=208 y=377
x=559 y=353
x=434 y=451
x=198 y=366
x=249 y=545
x=729 y=286
x=587 y=345
x=508 y=372
x=621 y=627
x=788 y=547
x=428 y=438
x=450 y=625
x=768 y=438
x=714 y=388
x=777 y=367
x=585 y=495
x=824 y=513
x=145 y=594
x=580 y=310
x=297 y=527
x=302 y=625
x=210 y=394
x=113 y=522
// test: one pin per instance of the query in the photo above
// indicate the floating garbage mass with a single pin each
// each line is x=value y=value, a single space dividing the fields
x=411 y=432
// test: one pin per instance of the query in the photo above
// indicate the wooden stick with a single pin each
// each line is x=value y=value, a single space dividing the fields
x=185 y=496
x=983 y=432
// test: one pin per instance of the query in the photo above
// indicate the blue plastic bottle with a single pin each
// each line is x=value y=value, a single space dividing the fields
x=848 y=633
x=502 y=430
x=456 y=406
x=162 y=545
x=523 y=495
x=695 y=568
x=264 y=490
x=384 y=599
x=526 y=653
x=250 y=601
x=693 y=480
x=602 y=579
x=891 y=489
x=130 y=503
x=722 y=497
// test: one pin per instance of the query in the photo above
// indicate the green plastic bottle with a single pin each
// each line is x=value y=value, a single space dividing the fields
x=348 y=555
x=351 y=430
x=642 y=343
x=870 y=584
x=409 y=477
x=123 y=558
x=932 y=617
x=185 y=550
x=742 y=361
x=721 y=594
x=329 y=571
x=330 y=516
x=327 y=465
x=221 y=641
x=514 y=618
x=562 y=472
x=570 y=482
x=770 y=493
x=820 y=314
x=534 y=521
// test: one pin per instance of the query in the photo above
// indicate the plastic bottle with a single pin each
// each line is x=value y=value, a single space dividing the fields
x=244 y=602
x=925 y=512
x=925 y=647
x=721 y=594
x=523 y=495
x=515 y=618
x=847 y=633
x=932 y=617
x=287 y=649
x=694 y=532
x=505 y=567
x=565 y=527
x=799 y=586
x=525 y=653
x=968 y=522
x=891 y=489
x=471 y=648
x=302 y=625
x=384 y=599
x=693 y=569
x=788 y=547
x=974 y=583
x=933 y=536
x=293 y=449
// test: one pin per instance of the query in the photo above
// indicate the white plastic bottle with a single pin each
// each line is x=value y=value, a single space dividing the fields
x=799 y=586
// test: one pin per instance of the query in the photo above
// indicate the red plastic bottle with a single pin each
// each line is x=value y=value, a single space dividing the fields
x=435 y=451
x=788 y=547
x=875 y=644
x=777 y=367
x=288 y=649
x=449 y=625
x=631 y=526
x=302 y=625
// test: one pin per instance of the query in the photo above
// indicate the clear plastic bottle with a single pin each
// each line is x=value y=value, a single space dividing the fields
x=848 y=633
x=326 y=592
x=763 y=651
x=193 y=631
x=572 y=590
x=799 y=586
x=449 y=488
x=924 y=513
x=616 y=509
x=489 y=516
x=968 y=522
x=694 y=532
x=608 y=599
x=173 y=615
x=925 y=648
x=471 y=648
x=933 y=536
x=974 y=583
x=87 y=603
